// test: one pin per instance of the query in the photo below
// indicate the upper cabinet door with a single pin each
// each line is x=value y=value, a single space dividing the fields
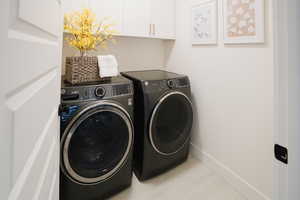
x=136 y=19
x=163 y=18
x=109 y=8
x=74 y=5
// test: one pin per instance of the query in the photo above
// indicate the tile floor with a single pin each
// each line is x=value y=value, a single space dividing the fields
x=190 y=181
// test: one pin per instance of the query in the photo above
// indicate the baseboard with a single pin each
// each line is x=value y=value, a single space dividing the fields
x=241 y=185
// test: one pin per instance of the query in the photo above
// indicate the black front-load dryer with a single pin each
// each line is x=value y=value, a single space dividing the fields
x=96 y=139
x=163 y=121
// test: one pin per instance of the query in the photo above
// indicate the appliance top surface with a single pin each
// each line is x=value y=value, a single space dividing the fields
x=150 y=75
x=119 y=80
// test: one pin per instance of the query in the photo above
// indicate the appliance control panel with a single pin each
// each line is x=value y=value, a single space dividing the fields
x=162 y=85
x=95 y=92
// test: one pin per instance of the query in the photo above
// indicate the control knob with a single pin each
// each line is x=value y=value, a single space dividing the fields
x=100 y=92
x=171 y=84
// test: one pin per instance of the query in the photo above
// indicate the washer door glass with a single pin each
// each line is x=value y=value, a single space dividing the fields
x=171 y=123
x=97 y=144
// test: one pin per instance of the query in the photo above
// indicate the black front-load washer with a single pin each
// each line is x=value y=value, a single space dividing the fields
x=96 y=139
x=163 y=121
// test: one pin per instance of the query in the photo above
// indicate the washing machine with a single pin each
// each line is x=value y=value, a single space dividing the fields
x=96 y=139
x=163 y=121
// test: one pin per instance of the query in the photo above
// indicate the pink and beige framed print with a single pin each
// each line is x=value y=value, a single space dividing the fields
x=243 y=21
x=204 y=22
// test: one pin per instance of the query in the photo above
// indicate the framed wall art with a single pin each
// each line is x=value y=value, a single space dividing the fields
x=204 y=22
x=243 y=21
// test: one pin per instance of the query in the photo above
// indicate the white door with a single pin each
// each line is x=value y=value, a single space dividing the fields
x=29 y=98
x=287 y=93
x=163 y=18
x=108 y=8
x=136 y=20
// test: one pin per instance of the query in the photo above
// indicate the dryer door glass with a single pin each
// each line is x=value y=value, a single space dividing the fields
x=97 y=145
x=171 y=123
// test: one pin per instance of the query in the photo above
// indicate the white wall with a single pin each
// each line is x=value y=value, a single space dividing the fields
x=233 y=94
x=131 y=53
x=293 y=98
x=287 y=111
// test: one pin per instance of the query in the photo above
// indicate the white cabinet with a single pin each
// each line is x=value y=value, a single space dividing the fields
x=109 y=8
x=133 y=18
x=136 y=21
x=163 y=18
x=150 y=18
x=74 y=5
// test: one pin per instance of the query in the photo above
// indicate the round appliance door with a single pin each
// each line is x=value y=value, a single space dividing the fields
x=97 y=143
x=171 y=123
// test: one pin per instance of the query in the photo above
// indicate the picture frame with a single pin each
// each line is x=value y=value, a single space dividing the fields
x=204 y=23
x=244 y=21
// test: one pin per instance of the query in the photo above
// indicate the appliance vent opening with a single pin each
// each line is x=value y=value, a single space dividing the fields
x=121 y=90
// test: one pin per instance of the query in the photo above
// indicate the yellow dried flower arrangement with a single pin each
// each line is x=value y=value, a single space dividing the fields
x=86 y=33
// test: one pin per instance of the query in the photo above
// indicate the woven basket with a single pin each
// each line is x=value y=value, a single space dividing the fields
x=82 y=69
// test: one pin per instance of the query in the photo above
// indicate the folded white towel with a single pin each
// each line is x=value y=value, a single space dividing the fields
x=108 y=66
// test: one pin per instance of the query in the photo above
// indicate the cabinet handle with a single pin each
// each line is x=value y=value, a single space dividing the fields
x=152 y=32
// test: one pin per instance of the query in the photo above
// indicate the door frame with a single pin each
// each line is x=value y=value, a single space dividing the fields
x=286 y=97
